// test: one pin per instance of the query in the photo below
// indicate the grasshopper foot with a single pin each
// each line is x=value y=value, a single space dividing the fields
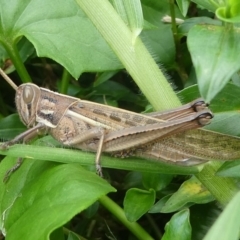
x=5 y=145
x=99 y=170
x=13 y=169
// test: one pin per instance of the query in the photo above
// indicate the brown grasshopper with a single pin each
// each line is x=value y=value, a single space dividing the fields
x=99 y=128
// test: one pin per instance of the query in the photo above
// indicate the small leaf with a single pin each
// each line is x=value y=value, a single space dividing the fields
x=191 y=191
x=183 y=6
x=10 y=127
x=229 y=169
x=120 y=8
x=230 y=12
x=208 y=4
x=228 y=223
x=178 y=227
x=73 y=236
x=220 y=59
x=137 y=202
x=157 y=207
x=135 y=17
x=156 y=181
x=131 y=13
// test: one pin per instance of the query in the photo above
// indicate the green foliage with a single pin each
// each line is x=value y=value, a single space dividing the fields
x=51 y=42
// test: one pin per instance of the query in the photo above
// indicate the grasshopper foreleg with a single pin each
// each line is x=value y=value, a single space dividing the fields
x=25 y=136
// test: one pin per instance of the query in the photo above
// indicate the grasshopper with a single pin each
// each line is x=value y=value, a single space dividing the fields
x=100 y=128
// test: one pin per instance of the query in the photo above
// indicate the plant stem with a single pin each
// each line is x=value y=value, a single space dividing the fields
x=134 y=56
x=65 y=81
x=222 y=188
x=17 y=61
x=118 y=212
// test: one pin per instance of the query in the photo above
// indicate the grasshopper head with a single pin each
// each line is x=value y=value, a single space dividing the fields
x=27 y=97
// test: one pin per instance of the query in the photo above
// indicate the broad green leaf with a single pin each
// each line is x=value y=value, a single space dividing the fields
x=220 y=59
x=55 y=27
x=228 y=223
x=191 y=191
x=137 y=202
x=178 y=227
x=39 y=191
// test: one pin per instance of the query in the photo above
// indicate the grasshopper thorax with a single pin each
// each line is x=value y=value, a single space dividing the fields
x=27 y=97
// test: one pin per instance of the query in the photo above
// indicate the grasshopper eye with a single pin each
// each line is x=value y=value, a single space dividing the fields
x=28 y=94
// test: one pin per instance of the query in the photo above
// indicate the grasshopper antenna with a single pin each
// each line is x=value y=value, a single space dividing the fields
x=5 y=76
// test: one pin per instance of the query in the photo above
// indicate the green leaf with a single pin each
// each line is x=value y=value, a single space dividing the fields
x=220 y=59
x=73 y=236
x=51 y=27
x=157 y=207
x=135 y=17
x=133 y=179
x=229 y=169
x=178 y=227
x=159 y=42
x=131 y=13
x=191 y=191
x=57 y=234
x=137 y=202
x=183 y=6
x=103 y=77
x=228 y=223
x=190 y=22
x=230 y=12
x=156 y=181
x=209 y=4
x=10 y=127
x=40 y=192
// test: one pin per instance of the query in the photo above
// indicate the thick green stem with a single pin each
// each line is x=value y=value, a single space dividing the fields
x=134 y=56
x=118 y=212
x=223 y=189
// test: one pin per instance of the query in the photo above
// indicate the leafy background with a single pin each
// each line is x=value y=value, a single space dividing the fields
x=124 y=54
